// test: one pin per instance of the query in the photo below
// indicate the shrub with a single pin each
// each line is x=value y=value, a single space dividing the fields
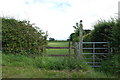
x=111 y=65
x=116 y=36
x=107 y=31
x=20 y=37
x=102 y=31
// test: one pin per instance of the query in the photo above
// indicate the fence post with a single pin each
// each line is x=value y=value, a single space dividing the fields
x=76 y=49
x=70 y=48
x=81 y=40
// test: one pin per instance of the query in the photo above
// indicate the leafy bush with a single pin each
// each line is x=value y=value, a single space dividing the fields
x=111 y=65
x=87 y=37
x=102 y=31
x=74 y=37
x=116 y=36
x=20 y=37
x=107 y=31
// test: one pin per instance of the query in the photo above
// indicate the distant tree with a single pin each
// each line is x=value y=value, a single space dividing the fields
x=68 y=39
x=87 y=31
x=51 y=39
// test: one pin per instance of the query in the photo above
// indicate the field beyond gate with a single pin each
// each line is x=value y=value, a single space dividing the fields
x=59 y=48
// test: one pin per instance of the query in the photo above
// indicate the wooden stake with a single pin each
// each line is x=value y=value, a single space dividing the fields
x=81 y=40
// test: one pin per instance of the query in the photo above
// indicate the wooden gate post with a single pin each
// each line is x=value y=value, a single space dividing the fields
x=81 y=40
x=70 y=48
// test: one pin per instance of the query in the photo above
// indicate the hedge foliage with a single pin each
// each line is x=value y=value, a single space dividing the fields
x=111 y=65
x=116 y=36
x=107 y=31
x=21 y=37
x=102 y=32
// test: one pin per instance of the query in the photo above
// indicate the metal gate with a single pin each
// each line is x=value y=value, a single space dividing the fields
x=94 y=52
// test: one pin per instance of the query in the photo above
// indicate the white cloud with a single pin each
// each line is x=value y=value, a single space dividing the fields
x=58 y=16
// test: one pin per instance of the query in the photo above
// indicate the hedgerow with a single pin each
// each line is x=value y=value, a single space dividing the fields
x=21 y=37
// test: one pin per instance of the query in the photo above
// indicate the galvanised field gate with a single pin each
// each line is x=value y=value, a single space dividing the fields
x=94 y=52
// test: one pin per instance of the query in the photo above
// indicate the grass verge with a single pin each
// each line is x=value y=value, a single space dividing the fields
x=19 y=66
x=31 y=72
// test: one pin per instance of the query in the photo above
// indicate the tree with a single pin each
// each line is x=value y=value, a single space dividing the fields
x=75 y=36
x=51 y=39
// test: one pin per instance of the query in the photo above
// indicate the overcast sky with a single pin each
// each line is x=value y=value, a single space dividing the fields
x=59 y=16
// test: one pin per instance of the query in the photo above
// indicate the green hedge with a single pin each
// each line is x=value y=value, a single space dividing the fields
x=116 y=36
x=20 y=37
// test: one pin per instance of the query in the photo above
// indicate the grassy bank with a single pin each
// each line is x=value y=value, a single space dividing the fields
x=15 y=66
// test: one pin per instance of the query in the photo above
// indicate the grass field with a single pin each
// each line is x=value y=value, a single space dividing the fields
x=58 y=51
x=20 y=66
x=58 y=44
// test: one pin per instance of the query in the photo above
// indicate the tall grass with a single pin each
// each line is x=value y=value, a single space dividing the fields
x=51 y=63
x=30 y=72
x=16 y=66
x=112 y=65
